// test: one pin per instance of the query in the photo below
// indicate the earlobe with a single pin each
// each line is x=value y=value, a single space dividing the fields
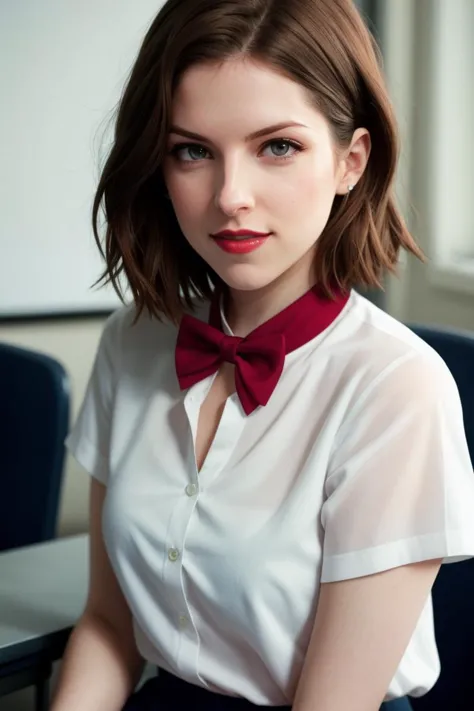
x=345 y=188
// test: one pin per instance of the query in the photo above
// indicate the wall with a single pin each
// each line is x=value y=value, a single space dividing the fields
x=65 y=64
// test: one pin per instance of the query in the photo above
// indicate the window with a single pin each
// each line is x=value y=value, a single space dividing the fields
x=451 y=156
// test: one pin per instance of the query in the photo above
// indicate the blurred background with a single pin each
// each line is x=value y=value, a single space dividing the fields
x=63 y=68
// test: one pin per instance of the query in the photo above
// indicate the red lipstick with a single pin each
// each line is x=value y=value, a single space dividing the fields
x=240 y=241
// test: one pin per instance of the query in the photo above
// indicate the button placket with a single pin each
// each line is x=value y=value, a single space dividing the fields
x=228 y=433
x=175 y=553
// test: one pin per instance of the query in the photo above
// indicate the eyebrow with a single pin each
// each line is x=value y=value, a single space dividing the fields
x=258 y=134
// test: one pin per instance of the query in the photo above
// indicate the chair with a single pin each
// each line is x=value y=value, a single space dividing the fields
x=34 y=420
x=453 y=592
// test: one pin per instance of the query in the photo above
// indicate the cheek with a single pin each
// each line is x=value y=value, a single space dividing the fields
x=311 y=189
x=307 y=205
x=189 y=196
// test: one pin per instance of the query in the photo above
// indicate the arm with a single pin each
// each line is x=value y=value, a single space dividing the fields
x=101 y=665
x=361 y=631
x=399 y=497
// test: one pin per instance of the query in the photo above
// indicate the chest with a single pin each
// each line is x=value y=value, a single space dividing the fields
x=165 y=441
x=193 y=472
x=211 y=412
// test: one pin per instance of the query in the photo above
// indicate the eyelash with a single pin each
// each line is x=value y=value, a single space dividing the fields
x=181 y=146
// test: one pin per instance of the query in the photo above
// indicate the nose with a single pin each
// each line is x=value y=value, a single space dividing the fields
x=234 y=192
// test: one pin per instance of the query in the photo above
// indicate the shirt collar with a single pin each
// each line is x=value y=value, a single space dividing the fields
x=300 y=322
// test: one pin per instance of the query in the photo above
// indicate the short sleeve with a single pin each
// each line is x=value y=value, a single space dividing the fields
x=89 y=440
x=400 y=488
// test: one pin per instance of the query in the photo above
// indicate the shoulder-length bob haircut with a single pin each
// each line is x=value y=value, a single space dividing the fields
x=325 y=46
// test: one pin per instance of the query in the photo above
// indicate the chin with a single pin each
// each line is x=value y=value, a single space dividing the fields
x=245 y=277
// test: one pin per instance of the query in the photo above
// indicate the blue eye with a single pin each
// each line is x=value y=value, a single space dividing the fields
x=285 y=144
x=197 y=152
x=191 y=148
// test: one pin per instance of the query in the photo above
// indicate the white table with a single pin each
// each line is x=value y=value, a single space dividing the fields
x=43 y=590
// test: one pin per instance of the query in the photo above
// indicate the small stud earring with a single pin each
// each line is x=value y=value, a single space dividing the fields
x=350 y=188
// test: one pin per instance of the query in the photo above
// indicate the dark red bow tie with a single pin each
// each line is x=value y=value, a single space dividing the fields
x=259 y=358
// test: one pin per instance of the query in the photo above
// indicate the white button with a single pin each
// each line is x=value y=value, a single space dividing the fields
x=191 y=490
x=183 y=621
x=173 y=554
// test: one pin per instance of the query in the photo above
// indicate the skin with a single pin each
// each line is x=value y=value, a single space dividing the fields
x=225 y=181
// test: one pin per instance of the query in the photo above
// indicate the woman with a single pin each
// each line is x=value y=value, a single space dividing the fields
x=280 y=467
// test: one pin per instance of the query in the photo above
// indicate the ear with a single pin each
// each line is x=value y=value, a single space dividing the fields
x=353 y=161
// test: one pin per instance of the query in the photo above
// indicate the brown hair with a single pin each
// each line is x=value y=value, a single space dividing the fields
x=323 y=45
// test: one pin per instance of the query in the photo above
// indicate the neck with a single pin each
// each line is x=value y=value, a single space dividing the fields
x=247 y=310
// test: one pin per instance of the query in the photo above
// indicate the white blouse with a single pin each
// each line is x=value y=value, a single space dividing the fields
x=358 y=464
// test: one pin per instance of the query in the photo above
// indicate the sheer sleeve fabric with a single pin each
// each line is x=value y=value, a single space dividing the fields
x=400 y=488
x=89 y=439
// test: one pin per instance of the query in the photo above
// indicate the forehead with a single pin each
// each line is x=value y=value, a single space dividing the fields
x=240 y=95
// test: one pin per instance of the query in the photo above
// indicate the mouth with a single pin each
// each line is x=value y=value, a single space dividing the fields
x=241 y=244
x=240 y=235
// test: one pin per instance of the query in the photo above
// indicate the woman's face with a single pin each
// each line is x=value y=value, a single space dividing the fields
x=221 y=176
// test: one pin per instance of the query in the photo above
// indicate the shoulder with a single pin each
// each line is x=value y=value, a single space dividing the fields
x=128 y=338
x=399 y=394
x=386 y=357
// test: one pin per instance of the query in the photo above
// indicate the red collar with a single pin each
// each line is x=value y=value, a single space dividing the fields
x=259 y=357
x=299 y=323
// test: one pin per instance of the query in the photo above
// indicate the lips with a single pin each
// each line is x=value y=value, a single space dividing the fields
x=243 y=244
x=242 y=238
x=240 y=235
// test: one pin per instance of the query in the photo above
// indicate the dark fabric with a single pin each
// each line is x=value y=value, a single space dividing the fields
x=168 y=693
x=398 y=705
x=34 y=420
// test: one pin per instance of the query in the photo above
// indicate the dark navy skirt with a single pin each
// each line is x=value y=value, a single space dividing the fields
x=168 y=693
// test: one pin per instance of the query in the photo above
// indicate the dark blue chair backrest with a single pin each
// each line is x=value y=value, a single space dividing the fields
x=34 y=420
x=453 y=592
